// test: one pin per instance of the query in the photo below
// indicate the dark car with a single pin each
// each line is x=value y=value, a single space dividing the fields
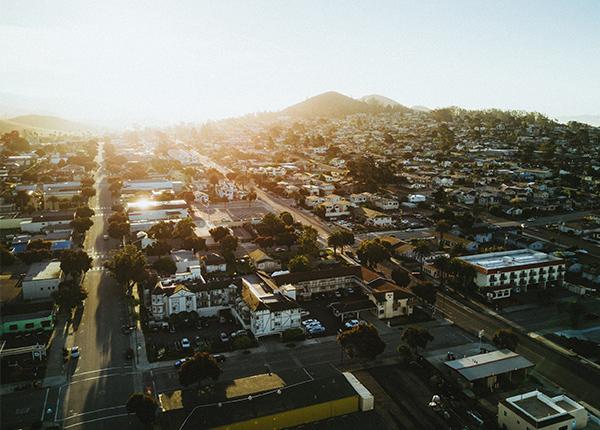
x=220 y=357
x=128 y=353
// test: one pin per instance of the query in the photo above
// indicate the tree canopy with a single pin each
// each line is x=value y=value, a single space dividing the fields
x=425 y=291
x=161 y=230
x=201 y=366
x=505 y=339
x=81 y=225
x=299 y=263
x=74 y=263
x=307 y=242
x=143 y=406
x=363 y=341
x=416 y=337
x=373 y=252
x=127 y=265
x=69 y=295
x=165 y=266
x=84 y=212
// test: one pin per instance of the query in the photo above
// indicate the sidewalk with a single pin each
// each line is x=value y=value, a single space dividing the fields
x=61 y=338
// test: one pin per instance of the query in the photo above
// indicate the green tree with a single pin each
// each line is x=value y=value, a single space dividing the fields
x=38 y=244
x=118 y=230
x=242 y=342
x=363 y=341
x=348 y=239
x=143 y=406
x=74 y=263
x=81 y=225
x=270 y=225
x=84 y=212
x=442 y=263
x=442 y=227
x=287 y=238
x=506 y=339
x=416 y=337
x=463 y=275
x=7 y=258
x=69 y=295
x=201 y=366
x=574 y=309
x=184 y=228
x=159 y=248
x=299 y=263
x=250 y=197
x=372 y=252
x=405 y=353
x=118 y=217
x=425 y=291
x=194 y=243
x=264 y=242
x=88 y=192
x=161 y=230
x=34 y=256
x=229 y=244
x=219 y=233
x=421 y=251
x=287 y=218
x=165 y=266
x=308 y=240
x=127 y=265
x=335 y=240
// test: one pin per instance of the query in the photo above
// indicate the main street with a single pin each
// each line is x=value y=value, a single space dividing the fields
x=100 y=381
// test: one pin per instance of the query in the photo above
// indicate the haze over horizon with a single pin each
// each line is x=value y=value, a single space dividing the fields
x=198 y=60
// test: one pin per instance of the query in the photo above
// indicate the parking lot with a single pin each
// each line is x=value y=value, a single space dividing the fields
x=318 y=309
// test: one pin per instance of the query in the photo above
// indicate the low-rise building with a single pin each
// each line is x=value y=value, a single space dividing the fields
x=263 y=261
x=501 y=273
x=214 y=263
x=535 y=410
x=153 y=210
x=41 y=280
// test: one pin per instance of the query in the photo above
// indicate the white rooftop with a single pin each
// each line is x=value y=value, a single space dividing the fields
x=520 y=257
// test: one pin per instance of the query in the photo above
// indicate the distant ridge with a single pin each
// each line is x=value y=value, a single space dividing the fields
x=593 y=120
x=50 y=123
x=421 y=109
x=377 y=100
x=330 y=104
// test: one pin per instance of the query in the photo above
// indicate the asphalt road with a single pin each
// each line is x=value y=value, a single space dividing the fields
x=100 y=381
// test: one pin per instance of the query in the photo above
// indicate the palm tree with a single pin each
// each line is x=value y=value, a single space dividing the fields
x=443 y=226
x=421 y=250
x=464 y=274
x=52 y=200
x=442 y=263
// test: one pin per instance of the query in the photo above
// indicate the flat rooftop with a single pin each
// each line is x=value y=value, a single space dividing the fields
x=537 y=408
x=485 y=365
x=43 y=270
x=520 y=257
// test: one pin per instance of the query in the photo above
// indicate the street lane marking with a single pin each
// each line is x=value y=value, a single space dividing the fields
x=106 y=369
x=97 y=419
x=45 y=403
x=102 y=376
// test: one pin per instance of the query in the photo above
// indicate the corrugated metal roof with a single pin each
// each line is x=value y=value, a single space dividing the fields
x=492 y=363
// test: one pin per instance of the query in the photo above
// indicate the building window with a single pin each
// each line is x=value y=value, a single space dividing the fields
x=45 y=323
x=505 y=413
x=518 y=422
x=12 y=327
x=29 y=325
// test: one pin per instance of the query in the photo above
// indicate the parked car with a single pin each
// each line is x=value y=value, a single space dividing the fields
x=105 y=237
x=337 y=294
x=198 y=341
x=219 y=357
x=351 y=324
x=177 y=345
x=75 y=352
x=239 y=333
x=224 y=337
x=185 y=343
x=309 y=321
x=126 y=329
x=304 y=313
x=316 y=331
x=178 y=363
x=280 y=249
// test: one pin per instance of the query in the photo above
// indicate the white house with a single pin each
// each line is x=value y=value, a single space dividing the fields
x=415 y=198
x=214 y=263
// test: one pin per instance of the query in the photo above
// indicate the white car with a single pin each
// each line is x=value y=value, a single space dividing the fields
x=185 y=343
x=75 y=352
x=224 y=337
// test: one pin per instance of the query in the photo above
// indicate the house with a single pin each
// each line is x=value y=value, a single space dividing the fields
x=486 y=372
x=314 y=201
x=214 y=263
x=521 y=241
x=205 y=299
x=387 y=204
x=451 y=240
x=41 y=280
x=264 y=262
x=342 y=208
x=535 y=410
x=372 y=217
x=263 y=310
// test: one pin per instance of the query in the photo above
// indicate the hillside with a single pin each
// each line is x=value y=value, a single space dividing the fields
x=50 y=123
x=330 y=104
x=377 y=100
x=7 y=126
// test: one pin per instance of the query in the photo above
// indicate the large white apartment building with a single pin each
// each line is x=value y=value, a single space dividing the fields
x=501 y=273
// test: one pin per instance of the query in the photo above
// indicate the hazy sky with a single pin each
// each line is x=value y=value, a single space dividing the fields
x=190 y=60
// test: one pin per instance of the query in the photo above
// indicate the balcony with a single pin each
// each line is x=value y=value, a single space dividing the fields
x=493 y=279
